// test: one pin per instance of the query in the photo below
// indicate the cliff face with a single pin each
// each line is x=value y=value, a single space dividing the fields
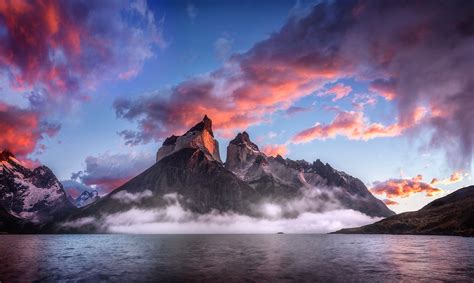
x=449 y=215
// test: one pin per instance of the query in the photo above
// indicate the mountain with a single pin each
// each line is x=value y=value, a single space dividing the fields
x=85 y=198
x=29 y=196
x=449 y=215
x=189 y=168
x=79 y=194
x=188 y=165
x=281 y=179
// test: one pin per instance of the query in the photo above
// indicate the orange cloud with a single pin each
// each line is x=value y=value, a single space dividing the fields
x=456 y=177
x=339 y=91
x=390 y=202
x=22 y=129
x=354 y=125
x=62 y=47
x=275 y=149
x=403 y=188
x=351 y=124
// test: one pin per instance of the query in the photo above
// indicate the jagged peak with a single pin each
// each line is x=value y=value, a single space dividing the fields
x=205 y=124
x=199 y=136
x=244 y=139
x=5 y=155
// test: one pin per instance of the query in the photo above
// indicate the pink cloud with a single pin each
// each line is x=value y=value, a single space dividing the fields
x=339 y=91
x=275 y=149
x=402 y=188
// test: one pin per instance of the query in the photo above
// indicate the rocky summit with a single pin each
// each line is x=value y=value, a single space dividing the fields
x=199 y=137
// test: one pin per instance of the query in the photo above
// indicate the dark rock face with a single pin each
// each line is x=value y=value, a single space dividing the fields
x=30 y=196
x=449 y=215
x=203 y=184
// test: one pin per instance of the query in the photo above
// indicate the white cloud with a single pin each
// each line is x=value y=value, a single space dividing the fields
x=309 y=215
x=126 y=197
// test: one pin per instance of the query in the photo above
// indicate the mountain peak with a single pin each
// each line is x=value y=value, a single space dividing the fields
x=5 y=155
x=244 y=139
x=205 y=124
x=199 y=136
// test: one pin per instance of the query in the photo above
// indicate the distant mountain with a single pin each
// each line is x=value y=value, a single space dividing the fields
x=449 y=215
x=86 y=198
x=190 y=166
x=29 y=196
x=79 y=194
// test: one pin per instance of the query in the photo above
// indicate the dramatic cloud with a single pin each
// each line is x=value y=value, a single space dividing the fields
x=339 y=91
x=56 y=52
x=108 y=171
x=63 y=46
x=22 y=129
x=275 y=149
x=402 y=188
x=416 y=53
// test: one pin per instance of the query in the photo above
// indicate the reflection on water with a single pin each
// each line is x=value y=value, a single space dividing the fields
x=235 y=257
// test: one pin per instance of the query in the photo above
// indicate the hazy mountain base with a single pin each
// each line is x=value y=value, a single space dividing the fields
x=173 y=218
x=449 y=215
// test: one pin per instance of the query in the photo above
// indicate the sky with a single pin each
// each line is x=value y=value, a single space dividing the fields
x=382 y=90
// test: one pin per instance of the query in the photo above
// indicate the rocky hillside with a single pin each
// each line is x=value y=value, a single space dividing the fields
x=30 y=195
x=449 y=215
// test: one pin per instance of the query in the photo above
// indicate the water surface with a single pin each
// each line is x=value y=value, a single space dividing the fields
x=269 y=258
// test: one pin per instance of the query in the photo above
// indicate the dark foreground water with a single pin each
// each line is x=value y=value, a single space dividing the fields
x=268 y=258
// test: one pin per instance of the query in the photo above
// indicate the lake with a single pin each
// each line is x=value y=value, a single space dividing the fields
x=267 y=258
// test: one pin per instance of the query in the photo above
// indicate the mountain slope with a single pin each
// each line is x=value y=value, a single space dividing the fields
x=280 y=179
x=35 y=196
x=449 y=215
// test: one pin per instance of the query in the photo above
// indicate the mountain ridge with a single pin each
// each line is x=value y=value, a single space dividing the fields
x=450 y=215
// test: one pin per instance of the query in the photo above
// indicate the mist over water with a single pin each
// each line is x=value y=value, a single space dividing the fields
x=361 y=258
